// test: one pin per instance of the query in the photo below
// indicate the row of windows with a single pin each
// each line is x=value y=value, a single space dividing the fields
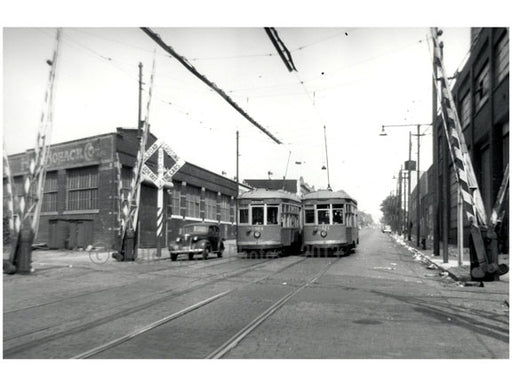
x=81 y=190
x=270 y=214
x=483 y=80
x=193 y=202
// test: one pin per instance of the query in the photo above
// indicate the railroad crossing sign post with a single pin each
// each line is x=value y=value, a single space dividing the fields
x=162 y=180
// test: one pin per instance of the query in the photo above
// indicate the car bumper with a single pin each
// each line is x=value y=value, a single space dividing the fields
x=190 y=250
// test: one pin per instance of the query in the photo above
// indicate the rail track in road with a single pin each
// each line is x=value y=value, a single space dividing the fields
x=77 y=326
x=227 y=344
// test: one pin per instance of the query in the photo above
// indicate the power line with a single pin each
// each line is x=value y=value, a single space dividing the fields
x=205 y=80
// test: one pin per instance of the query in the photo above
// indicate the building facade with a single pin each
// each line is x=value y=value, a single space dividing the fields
x=299 y=187
x=81 y=200
x=481 y=95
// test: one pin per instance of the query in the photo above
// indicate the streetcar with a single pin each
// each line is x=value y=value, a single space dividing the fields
x=268 y=223
x=329 y=223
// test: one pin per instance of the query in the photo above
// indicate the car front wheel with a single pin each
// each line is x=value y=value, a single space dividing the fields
x=206 y=251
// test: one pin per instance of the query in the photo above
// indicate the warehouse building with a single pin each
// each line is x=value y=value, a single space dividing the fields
x=85 y=177
x=481 y=94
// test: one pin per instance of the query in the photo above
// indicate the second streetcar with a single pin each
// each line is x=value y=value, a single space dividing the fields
x=329 y=223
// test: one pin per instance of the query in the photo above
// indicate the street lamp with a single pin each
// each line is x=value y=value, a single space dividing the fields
x=409 y=167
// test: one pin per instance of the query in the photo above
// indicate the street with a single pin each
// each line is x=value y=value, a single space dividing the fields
x=378 y=302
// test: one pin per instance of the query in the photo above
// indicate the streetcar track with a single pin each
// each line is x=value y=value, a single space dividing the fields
x=122 y=313
x=85 y=293
x=145 y=329
x=232 y=342
x=240 y=335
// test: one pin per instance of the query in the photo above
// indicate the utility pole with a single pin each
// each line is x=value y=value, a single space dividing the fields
x=418 y=196
x=409 y=190
x=139 y=121
x=237 y=190
x=435 y=146
x=400 y=218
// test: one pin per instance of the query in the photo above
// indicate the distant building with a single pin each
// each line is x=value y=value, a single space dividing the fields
x=298 y=187
x=81 y=205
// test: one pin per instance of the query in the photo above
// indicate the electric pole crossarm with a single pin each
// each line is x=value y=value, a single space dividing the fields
x=205 y=80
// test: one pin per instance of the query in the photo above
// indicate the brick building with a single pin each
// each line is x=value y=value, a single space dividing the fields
x=81 y=206
x=481 y=94
x=298 y=187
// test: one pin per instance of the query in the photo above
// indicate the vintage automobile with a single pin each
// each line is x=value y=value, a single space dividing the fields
x=197 y=238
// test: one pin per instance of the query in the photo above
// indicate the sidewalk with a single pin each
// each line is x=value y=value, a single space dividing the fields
x=460 y=273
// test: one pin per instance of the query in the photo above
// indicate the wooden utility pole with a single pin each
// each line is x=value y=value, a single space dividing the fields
x=418 y=195
x=409 y=190
x=139 y=121
x=237 y=190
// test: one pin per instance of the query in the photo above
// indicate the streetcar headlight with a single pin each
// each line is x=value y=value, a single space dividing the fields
x=257 y=234
x=323 y=233
x=194 y=239
x=178 y=239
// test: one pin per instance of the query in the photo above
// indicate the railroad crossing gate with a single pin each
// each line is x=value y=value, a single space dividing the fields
x=485 y=263
x=162 y=179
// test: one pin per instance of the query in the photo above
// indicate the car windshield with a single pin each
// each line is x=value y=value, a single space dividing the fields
x=195 y=229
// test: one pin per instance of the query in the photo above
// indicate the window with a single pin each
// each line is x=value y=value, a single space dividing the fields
x=50 y=193
x=465 y=111
x=211 y=205
x=501 y=58
x=272 y=214
x=176 y=198
x=193 y=201
x=323 y=213
x=309 y=214
x=82 y=188
x=225 y=206
x=337 y=214
x=243 y=217
x=482 y=86
x=257 y=215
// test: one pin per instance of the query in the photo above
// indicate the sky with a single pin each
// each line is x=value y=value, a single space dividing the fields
x=350 y=80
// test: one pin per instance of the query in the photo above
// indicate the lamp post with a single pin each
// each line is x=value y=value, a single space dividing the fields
x=418 y=199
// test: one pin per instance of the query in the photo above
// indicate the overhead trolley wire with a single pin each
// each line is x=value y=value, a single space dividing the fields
x=205 y=80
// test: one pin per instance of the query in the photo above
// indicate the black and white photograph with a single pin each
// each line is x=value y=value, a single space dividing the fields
x=301 y=197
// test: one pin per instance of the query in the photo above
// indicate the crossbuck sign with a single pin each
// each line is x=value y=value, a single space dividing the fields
x=162 y=179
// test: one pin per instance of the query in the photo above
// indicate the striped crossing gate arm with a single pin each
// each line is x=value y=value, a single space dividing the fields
x=497 y=210
x=14 y=223
x=471 y=196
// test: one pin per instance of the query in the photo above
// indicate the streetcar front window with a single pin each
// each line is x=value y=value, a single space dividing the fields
x=337 y=213
x=323 y=213
x=244 y=216
x=257 y=215
x=309 y=215
x=271 y=215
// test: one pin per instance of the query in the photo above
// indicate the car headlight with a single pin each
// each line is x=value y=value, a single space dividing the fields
x=178 y=239
x=257 y=234
x=194 y=239
x=323 y=233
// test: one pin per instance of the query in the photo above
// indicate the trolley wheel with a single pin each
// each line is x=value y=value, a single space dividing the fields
x=253 y=254
x=174 y=256
x=205 y=253
x=191 y=256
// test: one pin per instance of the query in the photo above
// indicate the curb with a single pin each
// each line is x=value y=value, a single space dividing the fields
x=421 y=256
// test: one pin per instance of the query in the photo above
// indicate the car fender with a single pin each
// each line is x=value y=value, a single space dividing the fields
x=202 y=244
